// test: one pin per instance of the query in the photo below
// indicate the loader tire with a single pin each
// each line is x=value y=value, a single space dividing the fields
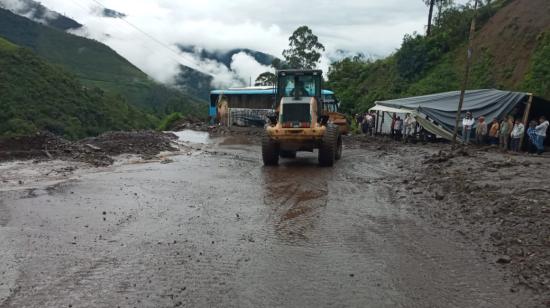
x=288 y=154
x=328 y=147
x=270 y=151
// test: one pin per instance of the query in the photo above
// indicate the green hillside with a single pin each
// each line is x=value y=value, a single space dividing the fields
x=35 y=95
x=96 y=65
x=512 y=50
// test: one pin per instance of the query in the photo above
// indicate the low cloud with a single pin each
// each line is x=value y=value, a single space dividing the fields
x=29 y=9
x=17 y=6
x=247 y=68
x=370 y=27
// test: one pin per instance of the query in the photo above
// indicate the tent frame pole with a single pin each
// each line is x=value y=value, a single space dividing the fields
x=526 y=118
x=377 y=118
x=382 y=124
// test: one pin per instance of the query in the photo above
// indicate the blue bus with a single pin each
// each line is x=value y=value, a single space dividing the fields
x=246 y=106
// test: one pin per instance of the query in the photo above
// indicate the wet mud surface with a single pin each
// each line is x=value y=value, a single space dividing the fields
x=213 y=227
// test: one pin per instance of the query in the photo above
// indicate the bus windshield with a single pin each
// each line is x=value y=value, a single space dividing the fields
x=330 y=106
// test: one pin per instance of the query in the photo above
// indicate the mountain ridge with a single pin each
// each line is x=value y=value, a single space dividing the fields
x=225 y=56
x=94 y=63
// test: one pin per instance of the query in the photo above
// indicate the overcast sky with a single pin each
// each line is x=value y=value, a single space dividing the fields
x=372 y=27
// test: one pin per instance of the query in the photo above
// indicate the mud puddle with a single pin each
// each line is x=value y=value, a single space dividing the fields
x=193 y=136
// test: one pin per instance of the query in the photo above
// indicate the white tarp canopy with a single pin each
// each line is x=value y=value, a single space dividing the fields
x=390 y=109
x=437 y=112
x=441 y=107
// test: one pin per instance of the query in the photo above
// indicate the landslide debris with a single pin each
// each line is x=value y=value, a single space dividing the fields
x=501 y=201
x=144 y=143
x=498 y=201
x=96 y=151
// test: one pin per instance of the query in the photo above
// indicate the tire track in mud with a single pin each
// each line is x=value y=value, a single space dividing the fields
x=294 y=198
x=350 y=212
x=4 y=214
x=9 y=272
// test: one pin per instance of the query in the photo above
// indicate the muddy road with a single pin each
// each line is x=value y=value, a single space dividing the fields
x=216 y=228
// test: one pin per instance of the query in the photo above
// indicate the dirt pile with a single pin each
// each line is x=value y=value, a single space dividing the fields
x=189 y=123
x=96 y=151
x=144 y=143
x=498 y=200
x=46 y=145
x=252 y=133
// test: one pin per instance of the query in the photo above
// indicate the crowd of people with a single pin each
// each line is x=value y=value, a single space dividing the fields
x=367 y=122
x=506 y=133
x=400 y=129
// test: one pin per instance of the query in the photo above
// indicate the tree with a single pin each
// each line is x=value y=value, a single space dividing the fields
x=266 y=79
x=441 y=6
x=431 y=4
x=304 y=50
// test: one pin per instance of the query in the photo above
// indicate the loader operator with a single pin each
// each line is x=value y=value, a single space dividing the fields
x=299 y=90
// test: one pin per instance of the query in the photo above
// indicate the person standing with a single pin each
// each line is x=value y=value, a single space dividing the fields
x=505 y=130
x=393 y=119
x=397 y=128
x=532 y=134
x=364 y=126
x=481 y=131
x=410 y=124
x=369 y=122
x=541 y=134
x=517 y=132
x=493 y=132
x=358 y=121
x=467 y=124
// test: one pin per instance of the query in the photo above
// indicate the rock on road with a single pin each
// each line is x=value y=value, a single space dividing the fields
x=222 y=230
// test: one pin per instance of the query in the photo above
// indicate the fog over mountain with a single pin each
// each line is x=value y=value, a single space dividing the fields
x=148 y=33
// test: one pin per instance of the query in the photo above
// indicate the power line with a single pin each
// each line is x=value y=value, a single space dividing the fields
x=154 y=39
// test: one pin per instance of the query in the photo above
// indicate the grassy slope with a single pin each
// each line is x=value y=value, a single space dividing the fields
x=507 y=50
x=36 y=96
x=95 y=65
x=512 y=52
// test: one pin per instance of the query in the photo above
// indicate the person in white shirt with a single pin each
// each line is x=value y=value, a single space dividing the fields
x=517 y=132
x=540 y=131
x=410 y=124
x=369 y=120
x=467 y=124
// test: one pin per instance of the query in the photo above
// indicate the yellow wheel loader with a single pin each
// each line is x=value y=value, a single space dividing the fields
x=299 y=122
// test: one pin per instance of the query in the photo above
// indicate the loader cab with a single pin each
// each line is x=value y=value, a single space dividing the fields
x=295 y=90
x=298 y=84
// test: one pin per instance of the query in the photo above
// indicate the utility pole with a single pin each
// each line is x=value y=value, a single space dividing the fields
x=466 y=73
